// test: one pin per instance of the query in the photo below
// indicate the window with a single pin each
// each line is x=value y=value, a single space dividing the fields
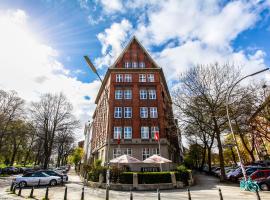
x=127 y=65
x=127 y=112
x=119 y=77
x=150 y=78
x=145 y=132
x=152 y=94
x=142 y=65
x=155 y=151
x=116 y=152
x=128 y=132
x=127 y=151
x=118 y=94
x=128 y=94
x=153 y=112
x=143 y=112
x=143 y=94
x=128 y=78
x=145 y=153
x=117 y=132
x=117 y=112
x=134 y=64
x=142 y=78
x=154 y=129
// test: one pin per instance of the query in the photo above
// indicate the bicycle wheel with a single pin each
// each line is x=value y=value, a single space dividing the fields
x=243 y=185
x=253 y=187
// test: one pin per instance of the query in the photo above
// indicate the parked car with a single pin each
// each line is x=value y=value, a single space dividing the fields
x=37 y=178
x=63 y=177
x=237 y=174
x=264 y=184
x=62 y=169
x=260 y=174
x=10 y=170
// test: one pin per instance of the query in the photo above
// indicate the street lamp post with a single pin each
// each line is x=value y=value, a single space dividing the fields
x=90 y=64
x=230 y=124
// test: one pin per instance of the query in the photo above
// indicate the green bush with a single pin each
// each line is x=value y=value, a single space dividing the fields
x=182 y=174
x=95 y=170
x=126 y=178
x=154 y=177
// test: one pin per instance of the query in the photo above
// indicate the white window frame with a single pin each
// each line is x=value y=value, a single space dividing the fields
x=127 y=151
x=142 y=78
x=119 y=78
x=128 y=94
x=127 y=132
x=117 y=130
x=142 y=64
x=152 y=93
x=150 y=77
x=127 y=64
x=145 y=153
x=154 y=129
x=143 y=94
x=155 y=151
x=118 y=94
x=153 y=112
x=116 y=152
x=144 y=132
x=127 y=112
x=134 y=65
x=117 y=112
x=128 y=77
x=143 y=112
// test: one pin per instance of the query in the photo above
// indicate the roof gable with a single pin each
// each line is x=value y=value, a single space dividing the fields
x=134 y=52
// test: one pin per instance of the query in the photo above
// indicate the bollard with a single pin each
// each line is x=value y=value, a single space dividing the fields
x=47 y=193
x=65 y=195
x=258 y=195
x=220 y=194
x=131 y=195
x=107 y=193
x=32 y=193
x=158 y=193
x=14 y=189
x=82 y=197
x=189 y=196
x=20 y=191
x=12 y=185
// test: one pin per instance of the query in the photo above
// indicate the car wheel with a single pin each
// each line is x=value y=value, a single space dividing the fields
x=53 y=182
x=22 y=184
x=264 y=187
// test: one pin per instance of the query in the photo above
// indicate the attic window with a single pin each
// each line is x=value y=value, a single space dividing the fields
x=127 y=65
x=134 y=64
x=142 y=65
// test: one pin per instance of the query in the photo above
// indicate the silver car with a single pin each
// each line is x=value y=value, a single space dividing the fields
x=36 y=178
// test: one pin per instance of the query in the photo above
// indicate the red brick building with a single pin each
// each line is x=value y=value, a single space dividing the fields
x=138 y=105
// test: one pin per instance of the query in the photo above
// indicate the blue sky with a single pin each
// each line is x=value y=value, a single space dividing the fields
x=51 y=37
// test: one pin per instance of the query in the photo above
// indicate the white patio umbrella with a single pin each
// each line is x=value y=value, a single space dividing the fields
x=125 y=159
x=157 y=159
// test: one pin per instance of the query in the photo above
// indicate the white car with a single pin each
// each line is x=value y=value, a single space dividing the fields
x=36 y=178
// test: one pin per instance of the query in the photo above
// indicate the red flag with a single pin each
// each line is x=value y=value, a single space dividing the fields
x=156 y=136
x=119 y=139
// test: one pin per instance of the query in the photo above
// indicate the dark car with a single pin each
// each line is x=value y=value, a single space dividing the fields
x=264 y=184
x=63 y=177
x=10 y=170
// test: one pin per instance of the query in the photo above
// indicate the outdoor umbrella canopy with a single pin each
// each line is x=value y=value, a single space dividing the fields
x=125 y=159
x=157 y=159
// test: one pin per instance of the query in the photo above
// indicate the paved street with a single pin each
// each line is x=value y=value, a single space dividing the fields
x=206 y=189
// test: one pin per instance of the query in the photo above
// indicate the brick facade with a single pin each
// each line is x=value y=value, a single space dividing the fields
x=134 y=62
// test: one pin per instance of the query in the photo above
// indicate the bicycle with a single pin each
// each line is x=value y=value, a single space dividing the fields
x=249 y=185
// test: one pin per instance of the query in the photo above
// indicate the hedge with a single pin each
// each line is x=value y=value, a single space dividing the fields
x=154 y=177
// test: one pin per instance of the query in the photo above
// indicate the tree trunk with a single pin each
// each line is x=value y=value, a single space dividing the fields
x=203 y=158
x=250 y=152
x=233 y=156
x=14 y=152
x=209 y=159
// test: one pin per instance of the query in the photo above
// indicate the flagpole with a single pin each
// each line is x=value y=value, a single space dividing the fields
x=159 y=150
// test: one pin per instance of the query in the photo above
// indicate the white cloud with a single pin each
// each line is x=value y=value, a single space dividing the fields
x=31 y=68
x=192 y=32
x=112 y=40
x=111 y=6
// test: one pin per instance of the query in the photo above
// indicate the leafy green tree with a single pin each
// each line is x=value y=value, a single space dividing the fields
x=77 y=155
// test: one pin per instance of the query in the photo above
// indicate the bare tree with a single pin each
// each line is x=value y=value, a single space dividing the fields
x=209 y=86
x=52 y=115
